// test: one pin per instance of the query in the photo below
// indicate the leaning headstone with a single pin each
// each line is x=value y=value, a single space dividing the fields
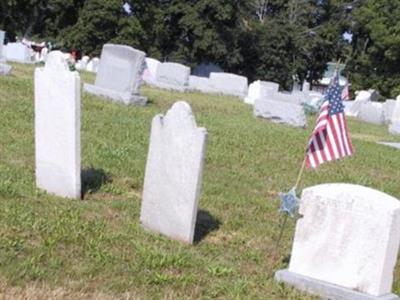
x=19 y=52
x=172 y=76
x=345 y=244
x=57 y=128
x=260 y=89
x=394 y=126
x=119 y=75
x=362 y=98
x=283 y=112
x=372 y=112
x=150 y=71
x=174 y=172
x=229 y=84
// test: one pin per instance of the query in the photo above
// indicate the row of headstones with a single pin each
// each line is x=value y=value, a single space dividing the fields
x=366 y=108
x=346 y=241
x=87 y=64
x=122 y=69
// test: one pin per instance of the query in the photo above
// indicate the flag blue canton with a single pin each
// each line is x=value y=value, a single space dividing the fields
x=334 y=96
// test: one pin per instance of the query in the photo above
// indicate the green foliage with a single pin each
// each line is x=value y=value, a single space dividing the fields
x=375 y=60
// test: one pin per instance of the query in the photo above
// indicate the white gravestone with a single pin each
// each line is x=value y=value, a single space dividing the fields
x=229 y=84
x=201 y=84
x=394 y=126
x=150 y=71
x=174 y=173
x=119 y=76
x=57 y=128
x=283 y=111
x=2 y=36
x=260 y=89
x=372 y=112
x=362 y=98
x=346 y=243
x=19 y=52
x=4 y=68
x=388 y=108
x=172 y=76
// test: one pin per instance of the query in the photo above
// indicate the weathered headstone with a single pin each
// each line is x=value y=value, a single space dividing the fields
x=172 y=76
x=19 y=52
x=394 y=126
x=260 y=89
x=150 y=71
x=174 y=174
x=57 y=128
x=346 y=243
x=284 y=112
x=229 y=84
x=119 y=76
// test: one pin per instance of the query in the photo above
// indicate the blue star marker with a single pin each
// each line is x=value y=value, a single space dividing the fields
x=289 y=202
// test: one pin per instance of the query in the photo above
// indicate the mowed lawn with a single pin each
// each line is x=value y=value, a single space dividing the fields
x=96 y=248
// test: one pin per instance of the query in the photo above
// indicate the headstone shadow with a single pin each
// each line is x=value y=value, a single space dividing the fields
x=92 y=180
x=205 y=223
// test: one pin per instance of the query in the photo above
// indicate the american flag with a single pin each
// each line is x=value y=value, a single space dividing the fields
x=330 y=139
x=345 y=92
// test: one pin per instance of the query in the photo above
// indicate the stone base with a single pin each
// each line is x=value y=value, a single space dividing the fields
x=5 y=69
x=389 y=144
x=125 y=98
x=324 y=289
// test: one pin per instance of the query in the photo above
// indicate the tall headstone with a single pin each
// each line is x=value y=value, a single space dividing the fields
x=394 y=126
x=346 y=243
x=119 y=76
x=172 y=76
x=388 y=108
x=4 y=68
x=57 y=128
x=174 y=173
x=2 y=36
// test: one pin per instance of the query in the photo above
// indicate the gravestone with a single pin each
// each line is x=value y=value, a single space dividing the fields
x=19 y=52
x=201 y=84
x=119 y=75
x=81 y=65
x=93 y=65
x=57 y=128
x=150 y=71
x=345 y=244
x=362 y=98
x=2 y=37
x=260 y=89
x=371 y=112
x=172 y=76
x=4 y=68
x=283 y=112
x=388 y=108
x=394 y=126
x=174 y=172
x=229 y=84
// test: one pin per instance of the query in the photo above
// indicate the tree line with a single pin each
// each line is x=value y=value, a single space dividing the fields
x=277 y=40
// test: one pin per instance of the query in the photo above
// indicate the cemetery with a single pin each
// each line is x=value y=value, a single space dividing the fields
x=127 y=174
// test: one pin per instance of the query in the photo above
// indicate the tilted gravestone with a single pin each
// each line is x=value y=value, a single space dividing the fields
x=229 y=84
x=172 y=76
x=345 y=244
x=281 y=108
x=174 y=173
x=260 y=89
x=119 y=75
x=57 y=128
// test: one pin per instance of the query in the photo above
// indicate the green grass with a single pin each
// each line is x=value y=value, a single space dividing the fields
x=96 y=248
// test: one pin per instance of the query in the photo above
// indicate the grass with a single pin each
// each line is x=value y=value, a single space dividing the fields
x=58 y=248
